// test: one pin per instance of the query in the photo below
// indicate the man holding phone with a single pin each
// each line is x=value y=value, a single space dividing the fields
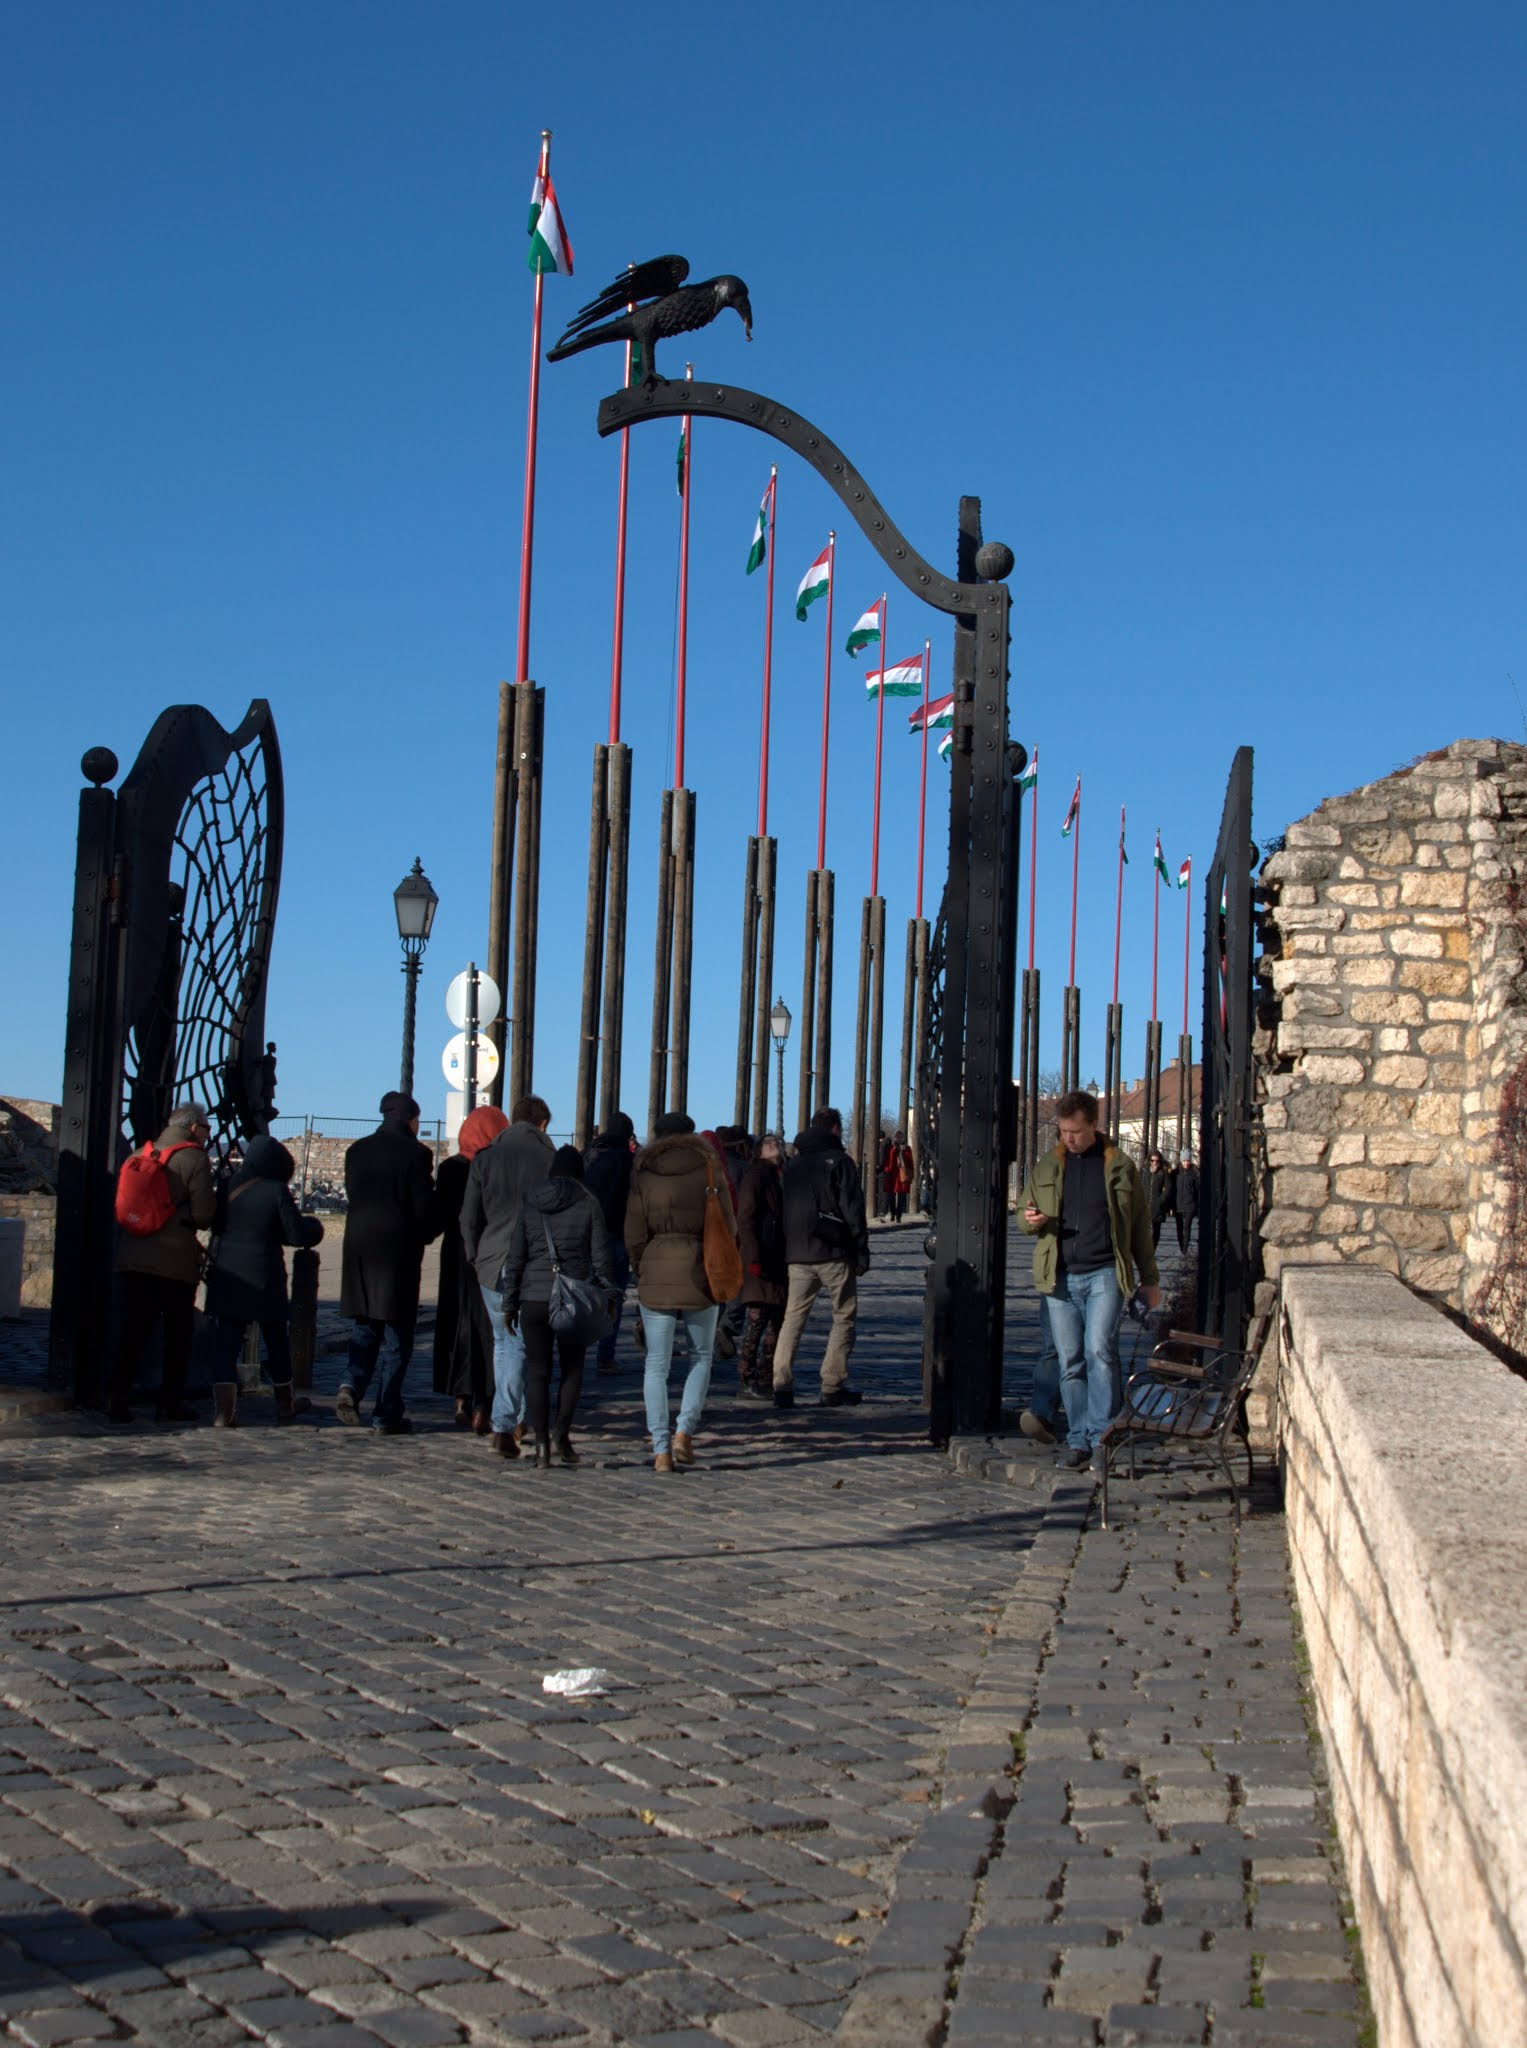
x=1085 y=1204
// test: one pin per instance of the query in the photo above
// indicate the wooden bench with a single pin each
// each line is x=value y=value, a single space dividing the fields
x=1197 y=1401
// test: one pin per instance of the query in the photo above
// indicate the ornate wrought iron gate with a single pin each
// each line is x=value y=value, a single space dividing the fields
x=1225 y=1238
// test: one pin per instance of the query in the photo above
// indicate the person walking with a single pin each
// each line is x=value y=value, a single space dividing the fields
x=559 y=1226
x=1185 y=1199
x=158 y=1271
x=463 y=1358
x=673 y=1180
x=1086 y=1205
x=827 y=1246
x=517 y=1159
x=1160 y=1188
x=390 y=1218
x=896 y=1175
x=607 y=1176
x=765 y=1277
x=246 y=1277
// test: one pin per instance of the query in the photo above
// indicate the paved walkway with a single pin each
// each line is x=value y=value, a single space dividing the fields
x=891 y=1754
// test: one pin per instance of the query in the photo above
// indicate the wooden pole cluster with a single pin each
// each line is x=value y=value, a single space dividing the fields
x=922 y=1107
x=1070 y=1037
x=612 y=1026
x=816 y=999
x=662 y=966
x=1150 y=1125
x=604 y=943
x=753 y=1003
x=1028 y=1074
x=515 y=886
x=869 y=1034
x=916 y=962
x=1113 y=1069
x=1184 y=1095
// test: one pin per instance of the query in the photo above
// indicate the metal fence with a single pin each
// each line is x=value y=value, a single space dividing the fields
x=1225 y=1236
x=318 y=1143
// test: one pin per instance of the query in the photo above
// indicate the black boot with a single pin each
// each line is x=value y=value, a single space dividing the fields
x=543 y=1454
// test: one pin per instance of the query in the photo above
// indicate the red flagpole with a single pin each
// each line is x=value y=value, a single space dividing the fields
x=1187 y=921
x=1155 y=924
x=617 y=655
x=832 y=541
x=879 y=748
x=763 y=744
x=1033 y=853
x=1118 y=915
x=1076 y=850
x=528 y=519
x=683 y=661
x=922 y=787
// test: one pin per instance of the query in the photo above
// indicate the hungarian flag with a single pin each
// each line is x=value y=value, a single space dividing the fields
x=550 y=250
x=935 y=716
x=1073 y=809
x=1161 y=863
x=866 y=632
x=946 y=746
x=903 y=679
x=1123 y=856
x=1185 y=873
x=1029 y=779
x=683 y=459
x=812 y=585
x=760 y=547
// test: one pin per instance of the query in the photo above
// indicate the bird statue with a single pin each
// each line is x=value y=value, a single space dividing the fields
x=650 y=302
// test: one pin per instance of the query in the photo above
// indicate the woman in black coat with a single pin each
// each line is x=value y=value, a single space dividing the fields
x=765 y=1277
x=1160 y=1186
x=246 y=1281
x=559 y=1209
x=463 y=1335
x=1185 y=1199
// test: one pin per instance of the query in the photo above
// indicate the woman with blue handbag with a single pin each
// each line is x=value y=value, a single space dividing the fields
x=556 y=1283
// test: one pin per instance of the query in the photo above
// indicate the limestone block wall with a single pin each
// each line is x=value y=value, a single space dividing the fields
x=1409 y=1574
x=1393 y=1032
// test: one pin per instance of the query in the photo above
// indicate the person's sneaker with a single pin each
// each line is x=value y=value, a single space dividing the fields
x=1074 y=1460
x=784 y=1397
x=1035 y=1427
x=842 y=1397
x=663 y=1462
x=683 y=1447
x=402 y=1427
x=345 y=1409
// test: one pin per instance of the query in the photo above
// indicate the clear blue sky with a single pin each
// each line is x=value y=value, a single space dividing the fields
x=1219 y=309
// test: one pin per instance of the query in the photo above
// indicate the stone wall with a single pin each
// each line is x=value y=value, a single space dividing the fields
x=1393 y=1024
x=1409 y=1571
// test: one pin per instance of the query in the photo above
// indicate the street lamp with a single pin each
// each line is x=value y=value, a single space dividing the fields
x=414 y=901
x=779 y=1026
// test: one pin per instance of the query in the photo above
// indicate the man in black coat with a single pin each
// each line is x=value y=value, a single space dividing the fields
x=827 y=1246
x=1185 y=1199
x=390 y=1191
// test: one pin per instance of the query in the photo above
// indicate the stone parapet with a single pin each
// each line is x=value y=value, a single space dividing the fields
x=1409 y=1572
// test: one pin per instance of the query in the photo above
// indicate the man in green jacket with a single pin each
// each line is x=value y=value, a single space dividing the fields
x=1086 y=1206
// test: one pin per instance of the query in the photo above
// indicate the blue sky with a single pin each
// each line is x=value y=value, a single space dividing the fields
x=1220 y=310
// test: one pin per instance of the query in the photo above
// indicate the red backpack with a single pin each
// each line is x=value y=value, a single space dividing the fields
x=146 y=1196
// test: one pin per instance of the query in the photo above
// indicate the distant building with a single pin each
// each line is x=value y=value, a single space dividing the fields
x=1131 y=1131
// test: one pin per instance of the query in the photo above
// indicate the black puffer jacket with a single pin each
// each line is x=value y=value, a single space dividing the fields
x=569 y=1212
x=824 y=1204
x=256 y=1217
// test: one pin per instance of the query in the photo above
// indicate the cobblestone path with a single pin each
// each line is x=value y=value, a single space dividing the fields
x=276 y=1761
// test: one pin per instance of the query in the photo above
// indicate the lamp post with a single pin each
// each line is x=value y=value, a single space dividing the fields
x=414 y=901
x=779 y=1028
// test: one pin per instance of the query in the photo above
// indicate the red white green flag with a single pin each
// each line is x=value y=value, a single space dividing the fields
x=1029 y=779
x=1072 y=810
x=866 y=632
x=1160 y=863
x=1185 y=873
x=812 y=585
x=946 y=746
x=550 y=250
x=760 y=546
x=901 y=679
x=937 y=716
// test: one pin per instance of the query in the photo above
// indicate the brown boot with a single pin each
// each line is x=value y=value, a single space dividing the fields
x=225 y=1394
x=662 y=1462
x=683 y=1447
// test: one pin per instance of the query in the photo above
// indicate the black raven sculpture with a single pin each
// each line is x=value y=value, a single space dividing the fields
x=664 y=306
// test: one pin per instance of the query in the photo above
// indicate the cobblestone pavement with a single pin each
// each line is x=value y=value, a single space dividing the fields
x=890 y=1754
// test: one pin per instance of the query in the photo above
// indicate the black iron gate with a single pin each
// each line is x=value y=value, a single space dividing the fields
x=1225 y=1235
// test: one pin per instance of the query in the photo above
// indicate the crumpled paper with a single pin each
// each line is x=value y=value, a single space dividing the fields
x=578 y=1684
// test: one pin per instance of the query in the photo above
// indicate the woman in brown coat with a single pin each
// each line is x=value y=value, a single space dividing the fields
x=671 y=1182
x=765 y=1277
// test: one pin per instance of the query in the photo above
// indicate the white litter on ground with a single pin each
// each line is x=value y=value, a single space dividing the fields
x=578 y=1684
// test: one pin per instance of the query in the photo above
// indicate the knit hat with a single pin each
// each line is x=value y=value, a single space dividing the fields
x=567 y=1163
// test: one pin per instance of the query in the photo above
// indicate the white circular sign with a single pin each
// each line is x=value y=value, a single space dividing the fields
x=487 y=1000
x=454 y=1061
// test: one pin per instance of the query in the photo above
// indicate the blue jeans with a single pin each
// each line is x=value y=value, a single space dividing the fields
x=1044 y=1397
x=395 y=1344
x=508 y=1366
x=1084 y=1320
x=660 y=1327
x=620 y=1272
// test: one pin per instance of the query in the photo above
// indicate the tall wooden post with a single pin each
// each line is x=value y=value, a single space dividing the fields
x=593 y=951
x=877 y=1051
x=747 y=990
x=612 y=1027
x=1029 y=1068
x=920 y=1108
x=529 y=716
x=1150 y=1135
x=662 y=966
x=762 y=1037
x=821 y=1080
x=857 y=1136
x=808 y=1003
x=908 y=1028
x=1184 y=1095
x=683 y=944
x=1113 y=1069
x=506 y=785
x=1071 y=1037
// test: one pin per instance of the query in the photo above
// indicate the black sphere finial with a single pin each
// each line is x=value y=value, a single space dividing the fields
x=994 y=561
x=98 y=765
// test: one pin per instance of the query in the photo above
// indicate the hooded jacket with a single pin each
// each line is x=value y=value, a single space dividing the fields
x=1129 y=1223
x=665 y=1221
x=174 y=1253
x=501 y=1172
x=566 y=1209
x=256 y=1219
x=824 y=1204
